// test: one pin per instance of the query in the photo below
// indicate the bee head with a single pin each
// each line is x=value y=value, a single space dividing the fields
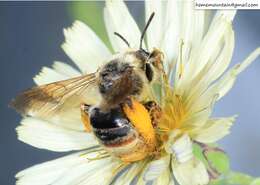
x=149 y=62
x=144 y=62
x=126 y=74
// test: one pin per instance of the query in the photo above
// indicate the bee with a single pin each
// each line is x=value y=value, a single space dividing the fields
x=121 y=121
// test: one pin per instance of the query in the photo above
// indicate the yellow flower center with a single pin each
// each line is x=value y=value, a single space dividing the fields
x=173 y=111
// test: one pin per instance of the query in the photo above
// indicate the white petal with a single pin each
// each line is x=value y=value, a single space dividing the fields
x=140 y=181
x=221 y=87
x=213 y=130
x=192 y=30
x=128 y=175
x=192 y=172
x=84 y=47
x=165 y=178
x=96 y=172
x=42 y=134
x=219 y=26
x=201 y=94
x=180 y=145
x=155 y=168
x=226 y=83
x=206 y=54
x=199 y=118
x=48 y=172
x=182 y=23
x=118 y=19
x=65 y=69
x=171 y=36
x=212 y=71
x=208 y=19
x=60 y=71
x=183 y=149
x=48 y=75
x=229 y=15
x=156 y=29
x=70 y=119
x=193 y=24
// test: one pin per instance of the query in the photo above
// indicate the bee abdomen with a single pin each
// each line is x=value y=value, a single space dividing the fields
x=115 y=132
x=111 y=127
x=110 y=134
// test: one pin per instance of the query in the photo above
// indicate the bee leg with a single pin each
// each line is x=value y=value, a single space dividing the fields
x=155 y=112
x=85 y=117
x=140 y=119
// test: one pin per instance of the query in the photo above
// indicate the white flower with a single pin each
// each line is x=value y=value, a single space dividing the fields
x=197 y=51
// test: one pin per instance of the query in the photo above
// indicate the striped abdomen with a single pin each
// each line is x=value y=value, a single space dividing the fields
x=115 y=132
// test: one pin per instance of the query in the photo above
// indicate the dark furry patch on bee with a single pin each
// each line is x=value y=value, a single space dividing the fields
x=118 y=80
x=111 y=128
x=112 y=119
x=112 y=134
x=141 y=55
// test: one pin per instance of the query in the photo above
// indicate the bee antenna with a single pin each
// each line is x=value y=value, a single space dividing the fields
x=121 y=37
x=145 y=28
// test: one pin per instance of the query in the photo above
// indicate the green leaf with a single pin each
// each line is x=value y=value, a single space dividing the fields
x=215 y=159
x=217 y=163
x=218 y=182
x=238 y=178
x=198 y=152
x=256 y=181
x=218 y=160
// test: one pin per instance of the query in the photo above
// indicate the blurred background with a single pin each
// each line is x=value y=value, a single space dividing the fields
x=31 y=36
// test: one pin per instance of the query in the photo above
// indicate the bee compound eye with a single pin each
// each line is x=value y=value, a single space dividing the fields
x=148 y=72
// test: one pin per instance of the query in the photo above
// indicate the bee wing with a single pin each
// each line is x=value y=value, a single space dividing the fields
x=45 y=100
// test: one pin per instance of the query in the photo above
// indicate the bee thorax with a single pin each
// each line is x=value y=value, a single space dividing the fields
x=117 y=81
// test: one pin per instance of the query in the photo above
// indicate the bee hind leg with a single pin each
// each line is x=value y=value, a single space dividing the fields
x=85 y=117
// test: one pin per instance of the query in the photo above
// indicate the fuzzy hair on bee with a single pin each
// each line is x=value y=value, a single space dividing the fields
x=125 y=76
x=118 y=80
x=118 y=118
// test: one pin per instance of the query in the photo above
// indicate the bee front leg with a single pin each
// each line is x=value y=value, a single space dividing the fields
x=85 y=117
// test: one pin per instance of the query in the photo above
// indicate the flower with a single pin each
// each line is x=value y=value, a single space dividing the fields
x=197 y=53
